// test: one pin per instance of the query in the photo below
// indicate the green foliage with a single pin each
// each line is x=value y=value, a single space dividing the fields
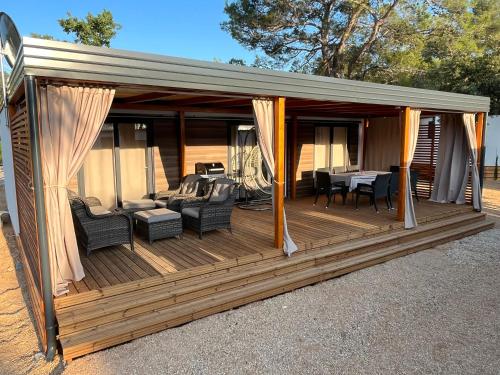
x=42 y=36
x=450 y=45
x=92 y=30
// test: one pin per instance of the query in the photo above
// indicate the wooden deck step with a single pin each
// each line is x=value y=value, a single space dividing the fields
x=95 y=325
x=139 y=299
x=197 y=274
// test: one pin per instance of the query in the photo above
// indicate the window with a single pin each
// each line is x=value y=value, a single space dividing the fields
x=336 y=146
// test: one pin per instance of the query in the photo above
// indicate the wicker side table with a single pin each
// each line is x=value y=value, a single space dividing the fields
x=158 y=223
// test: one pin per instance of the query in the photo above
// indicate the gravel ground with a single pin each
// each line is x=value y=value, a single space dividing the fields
x=437 y=311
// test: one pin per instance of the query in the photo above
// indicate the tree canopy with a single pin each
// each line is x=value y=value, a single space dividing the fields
x=92 y=30
x=450 y=45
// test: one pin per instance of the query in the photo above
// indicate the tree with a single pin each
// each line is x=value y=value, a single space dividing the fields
x=324 y=37
x=450 y=45
x=42 y=36
x=93 y=30
x=464 y=56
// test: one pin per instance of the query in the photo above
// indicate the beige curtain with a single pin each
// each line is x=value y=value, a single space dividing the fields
x=410 y=219
x=263 y=111
x=71 y=119
x=469 y=120
x=383 y=142
x=321 y=148
x=452 y=167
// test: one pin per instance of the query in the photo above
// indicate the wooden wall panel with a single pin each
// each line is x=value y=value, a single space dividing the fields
x=27 y=240
x=206 y=141
x=166 y=154
x=305 y=156
x=489 y=172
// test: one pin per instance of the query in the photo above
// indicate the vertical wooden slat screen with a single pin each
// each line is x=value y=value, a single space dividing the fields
x=425 y=159
x=27 y=240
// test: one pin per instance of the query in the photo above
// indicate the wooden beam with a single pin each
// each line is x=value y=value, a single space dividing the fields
x=294 y=156
x=174 y=108
x=182 y=144
x=404 y=120
x=279 y=170
x=145 y=97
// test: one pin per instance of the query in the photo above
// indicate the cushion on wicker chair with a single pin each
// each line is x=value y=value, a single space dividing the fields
x=192 y=212
x=161 y=203
x=220 y=192
x=138 y=204
x=157 y=215
x=190 y=184
x=99 y=210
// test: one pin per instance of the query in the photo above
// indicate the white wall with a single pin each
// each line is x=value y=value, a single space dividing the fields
x=492 y=140
x=8 y=169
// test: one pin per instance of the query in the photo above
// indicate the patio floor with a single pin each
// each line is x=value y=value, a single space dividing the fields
x=310 y=227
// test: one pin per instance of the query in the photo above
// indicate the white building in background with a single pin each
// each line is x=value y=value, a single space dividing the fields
x=8 y=169
x=492 y=140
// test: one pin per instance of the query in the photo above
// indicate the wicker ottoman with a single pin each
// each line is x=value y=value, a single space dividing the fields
x=158 y=223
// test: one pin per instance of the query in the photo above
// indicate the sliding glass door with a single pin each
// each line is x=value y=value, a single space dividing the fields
x=335 y=146
x=133 y=177
x=98 y=171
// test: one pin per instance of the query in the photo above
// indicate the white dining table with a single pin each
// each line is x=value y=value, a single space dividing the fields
x=352 y=179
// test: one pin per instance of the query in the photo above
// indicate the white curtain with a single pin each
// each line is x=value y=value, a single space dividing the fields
x=410 y=219
x=452 y=167
x=469 y=120
x=71 y=119
x=263 y=111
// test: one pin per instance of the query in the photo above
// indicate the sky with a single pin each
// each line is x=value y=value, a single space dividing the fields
x=182 y=28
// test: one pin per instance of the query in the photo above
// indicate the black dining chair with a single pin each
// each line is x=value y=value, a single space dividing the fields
x=324 y=185
x=379 y=188
x=395 y=181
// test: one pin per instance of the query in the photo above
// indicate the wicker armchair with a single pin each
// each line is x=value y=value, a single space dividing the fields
x=96 y=230
x=204 y=215
x=191 y=185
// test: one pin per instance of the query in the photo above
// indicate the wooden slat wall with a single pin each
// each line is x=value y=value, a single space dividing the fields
x=305 y=156
x=425 y=159
x=489 y=172
x=166 y=154
x=27 y=241
x=206 y=141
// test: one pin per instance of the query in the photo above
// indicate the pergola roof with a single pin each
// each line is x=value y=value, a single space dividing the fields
x=170 y=75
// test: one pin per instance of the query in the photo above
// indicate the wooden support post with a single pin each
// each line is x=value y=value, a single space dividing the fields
x=279 y=170
x=366 y=122
x=182 y=144
x=404 y=120
x=294 y=157
x=479 y=135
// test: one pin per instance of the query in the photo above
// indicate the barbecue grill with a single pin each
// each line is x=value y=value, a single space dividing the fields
x=210 y=170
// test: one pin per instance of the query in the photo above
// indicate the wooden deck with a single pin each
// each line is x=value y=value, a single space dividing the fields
x=310 y=226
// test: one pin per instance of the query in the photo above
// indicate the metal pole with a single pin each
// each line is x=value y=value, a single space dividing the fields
x=48 y=300
x=4 y=88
